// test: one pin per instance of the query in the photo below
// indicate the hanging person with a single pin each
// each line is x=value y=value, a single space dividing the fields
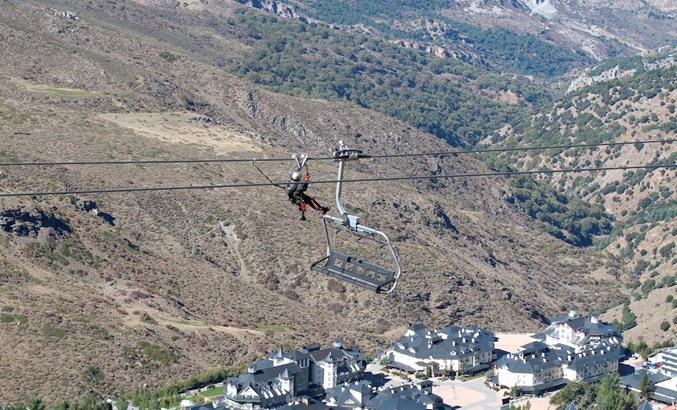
x=296 y=190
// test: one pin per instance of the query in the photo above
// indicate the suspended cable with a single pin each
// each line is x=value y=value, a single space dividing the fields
x=544 y=147
x=400 y=178
x=236 y=160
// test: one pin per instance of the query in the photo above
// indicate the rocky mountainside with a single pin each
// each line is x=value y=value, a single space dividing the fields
x=533 y=37
x=637 y=106
x=150 y=288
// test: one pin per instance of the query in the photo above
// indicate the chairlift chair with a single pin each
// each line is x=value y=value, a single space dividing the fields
x=349 y=268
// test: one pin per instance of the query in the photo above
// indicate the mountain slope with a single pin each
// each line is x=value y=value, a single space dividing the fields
x=639 y=106
x=163 y=292
x=526 y=37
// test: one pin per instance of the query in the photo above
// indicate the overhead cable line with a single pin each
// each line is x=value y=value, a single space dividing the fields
x=386 y=179
x=419 y=154
x=512 y=149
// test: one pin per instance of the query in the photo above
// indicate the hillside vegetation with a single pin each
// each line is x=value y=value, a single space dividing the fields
x=638 y=106
x=429 y=23
x=448 y=98
x=158 y=286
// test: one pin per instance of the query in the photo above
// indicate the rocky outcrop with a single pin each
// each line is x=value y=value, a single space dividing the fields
x=273 y=7
x=28 y=223
x=668 y=60
x=607 y=75
x=91 y=207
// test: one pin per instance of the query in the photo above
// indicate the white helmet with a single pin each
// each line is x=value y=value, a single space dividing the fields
x=295 y=175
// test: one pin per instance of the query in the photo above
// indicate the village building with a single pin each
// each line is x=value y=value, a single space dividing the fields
x=407 y=396
x=284 y=377
x=666 y=360
x=452 y=349
x=572 y=348
x=579 y=332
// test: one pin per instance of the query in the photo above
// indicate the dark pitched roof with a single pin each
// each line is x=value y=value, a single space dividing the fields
x=532 y=347
x=398 y=403
x=571 y=406
x=207 y=406
x=315 y=406
x=535 y=358
x=452 y=341
x=405 y=395
x=645 y=406
x=333 y=354
x=417 y=327
x=596 y=354
x=661 y=394
x=297 y=355
x=533 y=362
x=355 y=394
x=263 y=380
x=591 y=327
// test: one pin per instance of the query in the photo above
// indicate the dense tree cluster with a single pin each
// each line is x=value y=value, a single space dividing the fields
x=600 y=113
x=606 y=395
x=505 y=49
x=448 y=98
x=572 y=220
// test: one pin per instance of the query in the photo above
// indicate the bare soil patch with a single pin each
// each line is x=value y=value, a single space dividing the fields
x=185 y=128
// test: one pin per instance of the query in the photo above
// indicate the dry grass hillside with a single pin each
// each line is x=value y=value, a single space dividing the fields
x=159 y=291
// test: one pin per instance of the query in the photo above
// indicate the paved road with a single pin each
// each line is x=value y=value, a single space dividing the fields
x=459 y=395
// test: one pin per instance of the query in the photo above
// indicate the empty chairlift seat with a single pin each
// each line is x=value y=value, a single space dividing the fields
x=356 y=271
x=347 y=268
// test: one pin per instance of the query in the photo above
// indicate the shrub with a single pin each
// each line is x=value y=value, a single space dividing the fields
x=665 y=325
x=666 y=251
x=53 y=332
x=169 y=57
x=157 y=353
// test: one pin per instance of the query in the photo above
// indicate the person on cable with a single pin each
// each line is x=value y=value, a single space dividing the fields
x=296 y=190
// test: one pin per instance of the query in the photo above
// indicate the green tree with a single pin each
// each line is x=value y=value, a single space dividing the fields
x=35 y=404
x=92 y=374
x=92 y=402
x=121 y=403
x=582 y=393
x=62 y=405
x=514 y=392
x=646 y=386
x=610 y=396
x=629 y=318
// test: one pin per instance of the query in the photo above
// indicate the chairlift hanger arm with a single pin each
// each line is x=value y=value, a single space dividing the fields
x=348 y=268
